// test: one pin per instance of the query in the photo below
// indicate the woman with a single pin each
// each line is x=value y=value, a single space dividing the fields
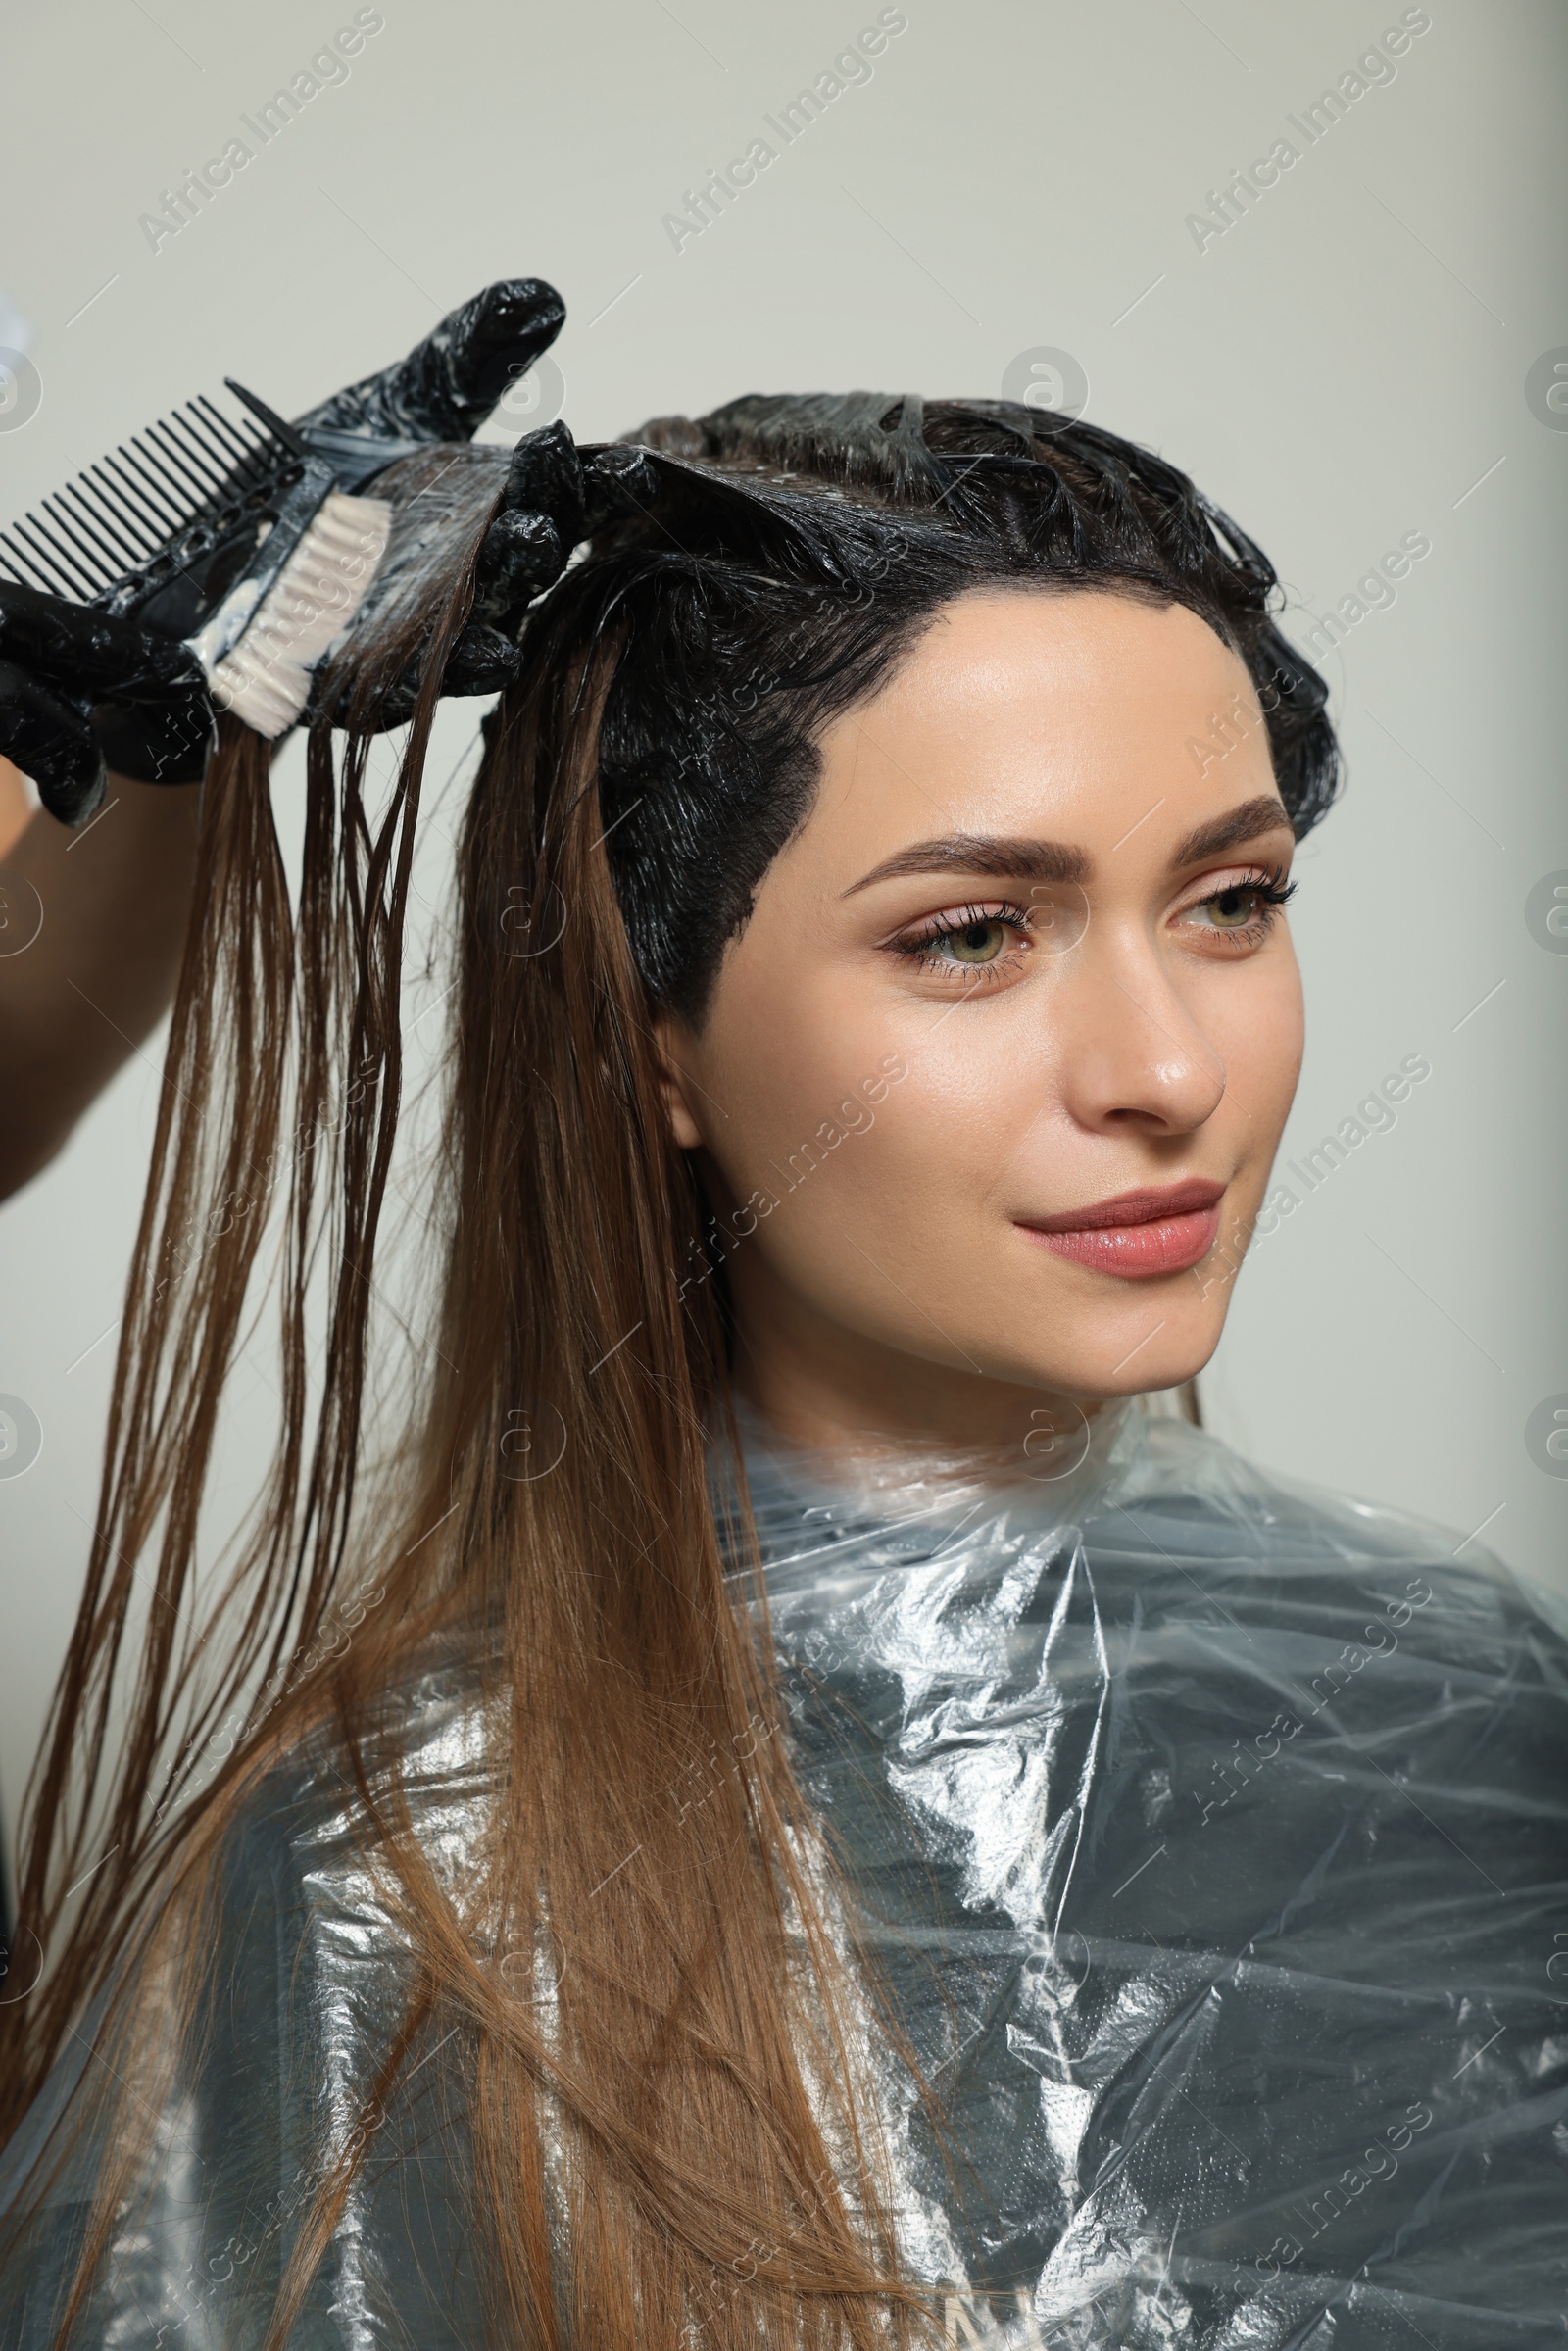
x=783 y=1807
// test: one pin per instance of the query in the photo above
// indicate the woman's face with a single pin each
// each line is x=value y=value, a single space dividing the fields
x=990 y=1085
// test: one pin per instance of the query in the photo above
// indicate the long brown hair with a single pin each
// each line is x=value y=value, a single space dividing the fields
x=695 y=2060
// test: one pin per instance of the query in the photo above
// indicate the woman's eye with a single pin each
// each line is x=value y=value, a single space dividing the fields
x=977 y=942
x=985 y=941
x=1234 y=908
x=1244 y=911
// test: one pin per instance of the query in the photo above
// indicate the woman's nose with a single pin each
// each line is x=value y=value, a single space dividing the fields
x=1133 y=1052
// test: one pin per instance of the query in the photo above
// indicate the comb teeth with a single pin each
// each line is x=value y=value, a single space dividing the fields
x=114 y=519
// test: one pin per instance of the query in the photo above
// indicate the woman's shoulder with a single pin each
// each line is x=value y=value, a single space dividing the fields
x=1190 y=1496
x=297 y=1910
x=304 y=1981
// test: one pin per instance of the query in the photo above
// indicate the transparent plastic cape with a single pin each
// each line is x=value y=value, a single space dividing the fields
x=1210 y=1836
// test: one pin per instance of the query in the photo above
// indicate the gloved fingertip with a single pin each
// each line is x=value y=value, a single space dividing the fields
x=75 y=793
x=522 y=537
x=503 y=331
x=481 y=662
x=619 y=480
x=545 y=476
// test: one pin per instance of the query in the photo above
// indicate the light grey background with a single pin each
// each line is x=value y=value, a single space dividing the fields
x=1345 y=365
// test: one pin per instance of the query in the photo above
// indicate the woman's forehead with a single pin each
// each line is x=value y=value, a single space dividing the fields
x=1017 y=711
x=1008 y=646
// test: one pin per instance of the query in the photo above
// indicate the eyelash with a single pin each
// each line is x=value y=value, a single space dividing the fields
x=1266 y=884
x=920 y=948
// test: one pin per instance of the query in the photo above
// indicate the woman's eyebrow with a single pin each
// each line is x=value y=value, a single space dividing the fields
x=1007 y=858
x=989 y=854
x=1265 y=815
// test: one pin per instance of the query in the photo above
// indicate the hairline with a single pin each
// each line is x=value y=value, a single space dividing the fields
x=1130 y=587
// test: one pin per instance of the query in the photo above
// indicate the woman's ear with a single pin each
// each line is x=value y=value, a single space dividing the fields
x=672 y=1039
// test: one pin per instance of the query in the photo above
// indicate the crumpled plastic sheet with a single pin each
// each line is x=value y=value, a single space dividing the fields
x=1212 y=1835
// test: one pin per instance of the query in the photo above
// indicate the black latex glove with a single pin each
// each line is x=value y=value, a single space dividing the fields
x=555 y=494
x=449 y=383
x=81 y=691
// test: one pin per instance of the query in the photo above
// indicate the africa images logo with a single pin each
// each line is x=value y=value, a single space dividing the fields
x=720 y=189
x=1374 y=69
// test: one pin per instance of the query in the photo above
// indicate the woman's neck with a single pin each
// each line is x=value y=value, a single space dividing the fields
x=850 y=1399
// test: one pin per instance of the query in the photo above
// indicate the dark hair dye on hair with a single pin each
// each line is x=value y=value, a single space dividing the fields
x=791 y=552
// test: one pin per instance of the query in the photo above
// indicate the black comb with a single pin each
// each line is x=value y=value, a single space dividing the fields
x=141 y=518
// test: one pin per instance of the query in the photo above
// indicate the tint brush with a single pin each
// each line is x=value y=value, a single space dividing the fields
x=233 y=532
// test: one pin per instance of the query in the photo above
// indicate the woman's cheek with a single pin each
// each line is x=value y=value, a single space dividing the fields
x=911 y=1194
x=882 y=1129
x=859 y=1197
x=1259 y=1032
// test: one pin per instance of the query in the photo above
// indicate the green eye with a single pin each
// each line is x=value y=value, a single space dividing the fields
x=977 y=942
x=1234 y=909
x=990 y=943
x=1242 y=911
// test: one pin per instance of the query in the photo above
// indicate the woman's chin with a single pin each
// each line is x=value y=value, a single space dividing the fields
x=1120 y=1362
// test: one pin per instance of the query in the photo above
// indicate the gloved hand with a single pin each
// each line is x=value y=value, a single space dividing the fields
x=81 y=691
x=555 y=494
x=449 y=383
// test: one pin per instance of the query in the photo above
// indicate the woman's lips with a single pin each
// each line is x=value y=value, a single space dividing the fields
x=1137 y=1233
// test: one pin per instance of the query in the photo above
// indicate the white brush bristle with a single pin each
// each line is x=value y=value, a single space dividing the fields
x=265 y=679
